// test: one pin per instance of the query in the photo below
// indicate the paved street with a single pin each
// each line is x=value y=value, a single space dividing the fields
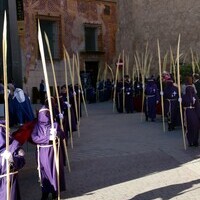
x=120 y=157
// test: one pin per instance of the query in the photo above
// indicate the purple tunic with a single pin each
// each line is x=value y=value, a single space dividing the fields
x=40 y=136
x=18 y=163
x=191 y=112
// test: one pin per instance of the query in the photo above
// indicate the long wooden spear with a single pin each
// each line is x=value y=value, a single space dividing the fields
x=97 y=83
x=75 y=94
x=4 y=46
x=41 y=48
x=111 y=71
x=173 y=64
x=57 y=96
x=71 y=72
x=193 y=63
x=123 y=71
x=79 y=88
x=165 y=62
x=115 y=81
x=68 y=107
x=161 y=86
x=127 y=65
x=79 y=82
x=179 y=90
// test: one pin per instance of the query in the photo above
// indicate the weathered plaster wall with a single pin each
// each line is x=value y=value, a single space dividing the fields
x=142 y=21
x=73 y=15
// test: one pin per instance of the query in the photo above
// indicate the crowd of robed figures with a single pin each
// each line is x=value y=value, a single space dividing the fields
x=40 y=132
x=129 y=99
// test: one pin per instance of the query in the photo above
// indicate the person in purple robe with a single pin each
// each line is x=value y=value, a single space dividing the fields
x=15 y=156
x=151 y=99
x=43 y=135
x=191 y=111
x=170 y=95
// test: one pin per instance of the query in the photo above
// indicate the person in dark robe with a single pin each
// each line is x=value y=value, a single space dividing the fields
x=43 y=135
x=108 y=89
x=78 y=99
x=171 y=103
x=101 y=90
x=42 y=91
x=191 y=111
x=128 y=95
x=151 y=99
x=119 y=96
x=65 y=105
x=138 y=90
x=22 y=107
x=1 y=92
x=15 y=156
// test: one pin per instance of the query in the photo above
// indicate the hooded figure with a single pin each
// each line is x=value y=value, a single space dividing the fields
x=65 y=105
x=171 y=103
x=151 y=99
x=22 y=106
x=128 y=89
x=43 y=135
x=15 y=156
x=191 y=108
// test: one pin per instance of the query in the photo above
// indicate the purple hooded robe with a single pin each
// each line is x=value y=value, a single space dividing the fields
x=18 y=163
x=191 y=110
x=45 y=153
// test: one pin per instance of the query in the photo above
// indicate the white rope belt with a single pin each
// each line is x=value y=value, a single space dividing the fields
x=149 y=96
x=171 y=99
x=189 y=107
x=38 y=158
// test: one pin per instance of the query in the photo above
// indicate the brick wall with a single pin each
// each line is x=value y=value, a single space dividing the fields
x=73 y=15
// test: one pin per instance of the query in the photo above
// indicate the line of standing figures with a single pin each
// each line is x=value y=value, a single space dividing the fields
x=129 y=99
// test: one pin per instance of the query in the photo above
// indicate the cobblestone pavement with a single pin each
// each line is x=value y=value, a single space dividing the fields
x=120 y=157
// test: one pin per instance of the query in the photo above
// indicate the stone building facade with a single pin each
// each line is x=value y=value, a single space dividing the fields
x=87 y=27
x=142 y=21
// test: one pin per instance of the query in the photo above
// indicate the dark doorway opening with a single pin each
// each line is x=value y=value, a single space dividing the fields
x=89 y=79
x=91 y=68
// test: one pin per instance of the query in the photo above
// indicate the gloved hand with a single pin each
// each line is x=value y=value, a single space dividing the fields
x=21 y=152
x=6 y=155
x=60 y=116
x=194 y=100
x=68 y=104
x=53 y=134
x=180 y=99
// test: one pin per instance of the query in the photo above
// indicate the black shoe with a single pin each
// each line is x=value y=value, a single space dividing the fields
x=146 y=119
x=196 y=145
x=153 y=120
x=54 y=195
x=170 y=127
x=45 y=196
